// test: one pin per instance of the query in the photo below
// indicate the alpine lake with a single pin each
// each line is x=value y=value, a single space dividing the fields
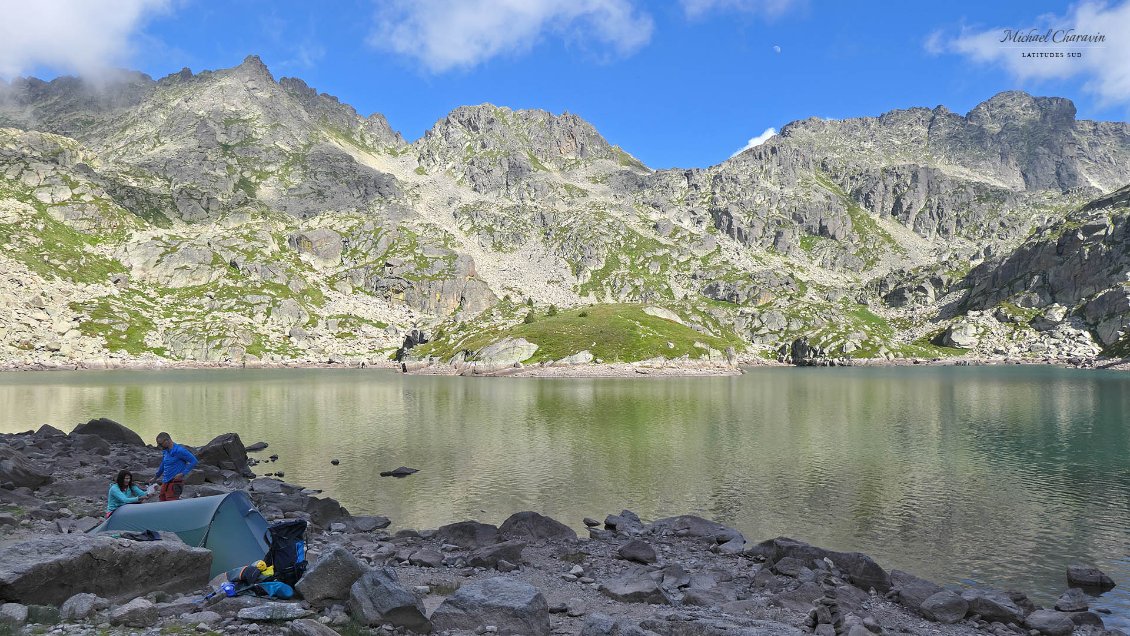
x=994 y=475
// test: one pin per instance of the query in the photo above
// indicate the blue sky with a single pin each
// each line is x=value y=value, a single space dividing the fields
x=678 y=84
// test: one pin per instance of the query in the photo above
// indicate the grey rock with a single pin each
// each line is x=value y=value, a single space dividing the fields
x=627 y=522
x=912 y=590
x=638 y=551
x=426 y=558
x=273 y=612
x=513 y=606
x=1073 y=600
x=325 y=510
x=533 y=526
x=505 y=352
x=226 y=450
x=1088 y=577
x=634 y=586
x=308 y=627
x=945 y=606
x=467 y=534
x=81 y=606
x=331 y=576
x=489 y=556
x=860 y=569
x=139 y=612
x=201 y=618
x=322 y=243
x=369 y=523
x=1084 y=619
x=962 y=335
x=110 y=431
x=52 y=569
x=1050 y=622
x=377 y=598
x=20 y=471
x=14 y=614
x=993 y=605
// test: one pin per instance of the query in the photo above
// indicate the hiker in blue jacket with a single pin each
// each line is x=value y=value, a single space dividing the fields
x=123 y=491
x=176 y=461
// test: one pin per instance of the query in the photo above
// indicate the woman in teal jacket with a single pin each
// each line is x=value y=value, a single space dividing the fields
x=123 y=491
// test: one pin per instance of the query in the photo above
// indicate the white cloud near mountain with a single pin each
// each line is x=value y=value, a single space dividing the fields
x=756 y=141
x=73 y=36
x=1103 y=66
x=767 y=8
x=450 y=34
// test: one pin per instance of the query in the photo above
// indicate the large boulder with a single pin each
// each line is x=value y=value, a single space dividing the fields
x=227 y=452
x=638 y=551
x=110 y=431
x=512 y=606
x=19 y=470
x=489 y=556
x=50 y=570
x=309 y=627
x=322 y=243
x=273 y=612
x=1087 y=576
x=1050 y=623
x=325 y=510
x=534 y=527
x=13 y=614
x=82 y=606
x=468 y=534
x=331 y=576
x=90 y=444
x=378 y=598
x=993 y=605
x=691 y=526
x=634 y=586
x=861 y=570
x=139 y=612
x=505 y=352
x=912 y=591
x=945 y=606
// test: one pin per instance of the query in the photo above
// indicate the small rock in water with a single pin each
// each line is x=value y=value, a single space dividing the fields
x=403 y=471
x=335 y=462
x=274 y=458
x=590 y=522
x=280 y=474
x=257 y=446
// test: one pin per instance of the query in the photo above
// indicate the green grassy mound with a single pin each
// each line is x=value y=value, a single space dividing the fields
x=612 y=333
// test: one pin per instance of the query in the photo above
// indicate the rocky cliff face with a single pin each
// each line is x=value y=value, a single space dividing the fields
x=227 y=215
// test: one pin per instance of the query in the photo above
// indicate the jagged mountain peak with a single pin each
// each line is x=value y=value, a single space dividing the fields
x=1018 y=107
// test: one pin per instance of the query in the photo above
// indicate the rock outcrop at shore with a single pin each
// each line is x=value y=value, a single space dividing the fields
x=529 y=575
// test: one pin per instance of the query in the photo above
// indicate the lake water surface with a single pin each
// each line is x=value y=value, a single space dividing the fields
x=993 y=475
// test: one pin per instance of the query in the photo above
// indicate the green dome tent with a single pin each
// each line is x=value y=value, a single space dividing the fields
x=228 y=525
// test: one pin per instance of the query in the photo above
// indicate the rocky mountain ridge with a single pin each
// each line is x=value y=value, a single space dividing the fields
x=225 y=215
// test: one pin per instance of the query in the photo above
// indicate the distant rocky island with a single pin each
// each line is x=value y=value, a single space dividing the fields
x=226 y=217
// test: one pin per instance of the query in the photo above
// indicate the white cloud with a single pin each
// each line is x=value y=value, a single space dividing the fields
x=767 y=8
x=1103 y=66
x=72 y=36
x=756 y=141
x=447 y=34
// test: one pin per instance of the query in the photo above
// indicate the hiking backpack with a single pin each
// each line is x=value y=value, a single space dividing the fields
x=288 y=550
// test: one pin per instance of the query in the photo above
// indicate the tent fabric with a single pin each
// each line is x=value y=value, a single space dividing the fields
x=228 y=525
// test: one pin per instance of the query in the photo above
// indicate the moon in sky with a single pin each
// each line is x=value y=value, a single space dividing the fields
x=776 y=49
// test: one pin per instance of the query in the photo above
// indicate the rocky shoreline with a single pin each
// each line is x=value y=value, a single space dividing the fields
x=658 y=367
x=530 y=575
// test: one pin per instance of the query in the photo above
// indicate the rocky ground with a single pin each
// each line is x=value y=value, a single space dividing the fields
x=530 y=575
